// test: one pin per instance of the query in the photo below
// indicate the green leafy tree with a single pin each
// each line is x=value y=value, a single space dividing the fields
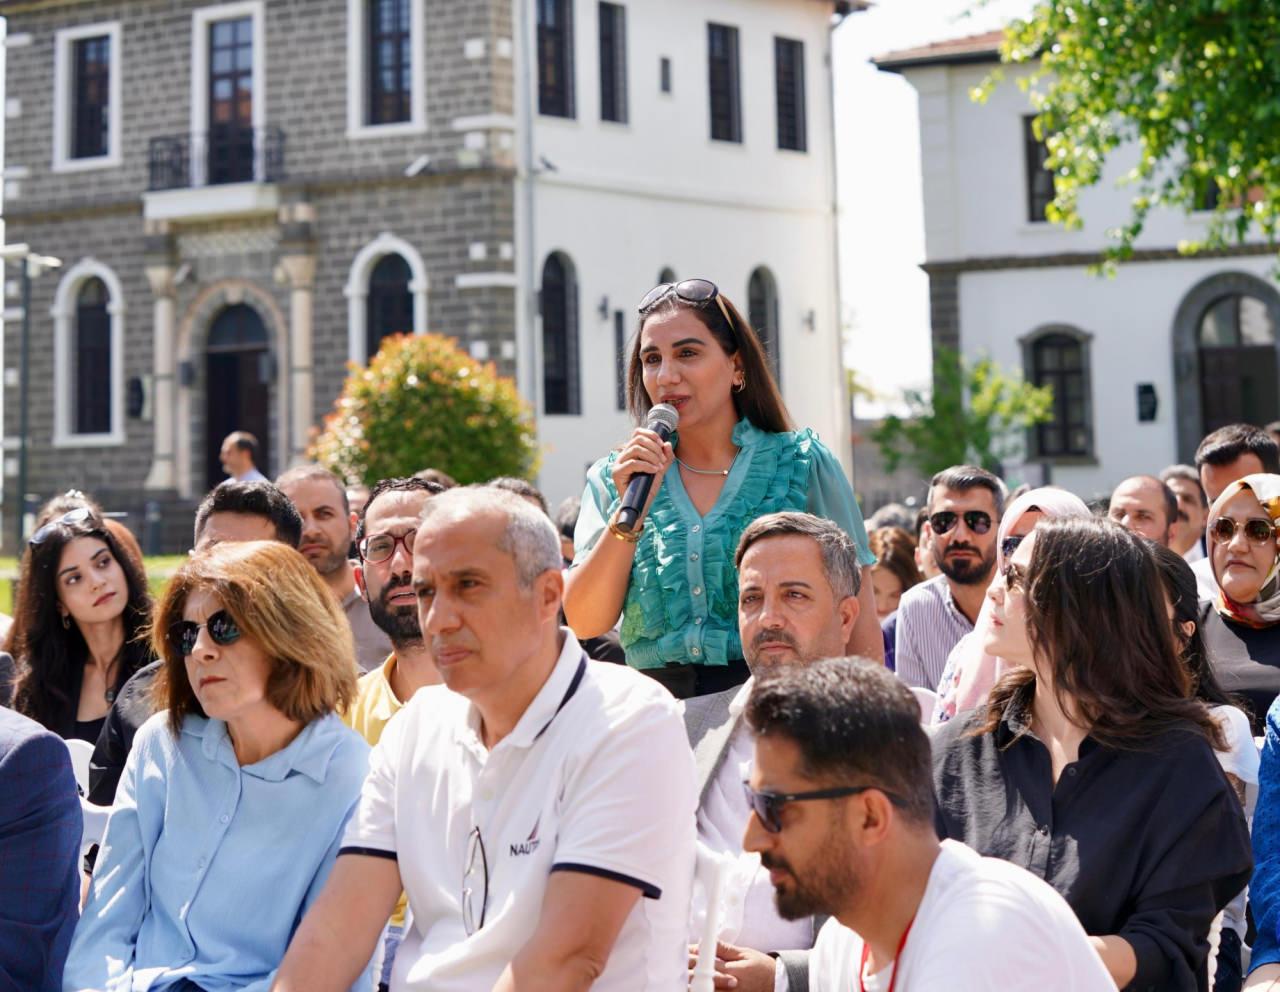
x=423 y=402
x=975 y=414
x=1193 y=84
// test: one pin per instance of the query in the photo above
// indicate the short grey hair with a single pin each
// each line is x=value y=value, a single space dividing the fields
x=1188 y=473
x=839 y=553
x=530 y=537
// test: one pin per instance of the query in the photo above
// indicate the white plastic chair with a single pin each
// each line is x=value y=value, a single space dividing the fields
x=95 y=824
x=928 y=702
x=81 y=752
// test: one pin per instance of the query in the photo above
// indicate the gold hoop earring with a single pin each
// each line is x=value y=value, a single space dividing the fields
x=740 y=385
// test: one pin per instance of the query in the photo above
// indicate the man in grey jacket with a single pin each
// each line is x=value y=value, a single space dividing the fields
x=798 y=581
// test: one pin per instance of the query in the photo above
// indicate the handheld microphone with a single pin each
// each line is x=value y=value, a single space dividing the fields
x=662 y=421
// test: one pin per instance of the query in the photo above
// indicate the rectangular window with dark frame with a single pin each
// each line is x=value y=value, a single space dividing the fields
x=390 y=62
x=664 y=74
x=613 y=62
x=620 y=346
x=90 y=86
x=788 y=60
x=1060 y=361
x=1039 y=176
x=555 y=58
x=724 y=83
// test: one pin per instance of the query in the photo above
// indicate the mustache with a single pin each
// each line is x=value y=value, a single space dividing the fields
x=772 y=862
x=774 y=637
x=953 y=548
x=394 y=584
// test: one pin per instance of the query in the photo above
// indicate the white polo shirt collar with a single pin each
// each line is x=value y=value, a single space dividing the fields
x=559 y=688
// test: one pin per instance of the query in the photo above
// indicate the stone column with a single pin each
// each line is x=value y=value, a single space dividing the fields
x=160 y=271
x=298 y=264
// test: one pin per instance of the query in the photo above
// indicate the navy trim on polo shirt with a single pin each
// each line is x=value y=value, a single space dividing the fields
x=573 y=688
x=647 y=890
x=372 y=852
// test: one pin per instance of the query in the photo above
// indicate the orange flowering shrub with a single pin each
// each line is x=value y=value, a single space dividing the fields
x=423 y=402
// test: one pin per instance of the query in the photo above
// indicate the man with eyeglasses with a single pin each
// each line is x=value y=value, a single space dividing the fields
x=538 y=808
x=328 y=526
x=965 y=503
x=843 y=818
x=385 y=529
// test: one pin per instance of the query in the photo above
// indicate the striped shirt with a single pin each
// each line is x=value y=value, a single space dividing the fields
x=929 y=626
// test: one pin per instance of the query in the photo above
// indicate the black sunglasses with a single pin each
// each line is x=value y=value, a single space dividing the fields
x=1256 y=530
x=768 y=805
x=695 y=291
x=222 y=628
x=80 y=515
x=978 y=521
x=1010 y=544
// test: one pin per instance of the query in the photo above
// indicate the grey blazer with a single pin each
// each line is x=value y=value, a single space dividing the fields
x=710 y=727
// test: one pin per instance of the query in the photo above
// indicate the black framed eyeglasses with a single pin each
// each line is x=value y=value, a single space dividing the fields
x=222 y=628
x=978 y=521
x=696 y=291
x=80 y=515
x=767 y=806
x=475 y=884
x=1256 y=530
x=381 y=547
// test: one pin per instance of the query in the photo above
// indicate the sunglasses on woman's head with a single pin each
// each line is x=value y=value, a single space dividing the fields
x=222 y=628
x=80 y=515
x=978 y=521
x=695 y=291
x=1256 y=530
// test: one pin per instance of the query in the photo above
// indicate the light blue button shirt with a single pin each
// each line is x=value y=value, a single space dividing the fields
x=207 y=867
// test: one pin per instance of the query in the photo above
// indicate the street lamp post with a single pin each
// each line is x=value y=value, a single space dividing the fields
x=32 y=265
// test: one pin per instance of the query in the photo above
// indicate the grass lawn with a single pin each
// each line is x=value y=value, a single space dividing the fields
x=159 y=569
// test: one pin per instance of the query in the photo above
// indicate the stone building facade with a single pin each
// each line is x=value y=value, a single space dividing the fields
x=245 y=194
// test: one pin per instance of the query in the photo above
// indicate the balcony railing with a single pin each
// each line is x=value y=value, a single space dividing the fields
x=220 y=155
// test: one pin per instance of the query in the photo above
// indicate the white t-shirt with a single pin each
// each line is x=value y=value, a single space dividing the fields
x=596 y=777
x=983 y=924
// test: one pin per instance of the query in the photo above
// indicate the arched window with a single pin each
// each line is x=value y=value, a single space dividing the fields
x=1236 y=337
x=1059 y=358
x=91 y=361
x=559 y=298
x=762 y=314
x=88 y=357
x=390 y=302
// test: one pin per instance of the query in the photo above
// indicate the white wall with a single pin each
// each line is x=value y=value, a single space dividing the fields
x=626 y=200
x=974 y=177
x=1131 y=319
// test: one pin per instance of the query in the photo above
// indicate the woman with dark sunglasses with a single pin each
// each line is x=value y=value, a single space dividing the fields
x=1243 y=638
x=78 y=631
x=231 y=808
x=735 y=457
x=1093 y=764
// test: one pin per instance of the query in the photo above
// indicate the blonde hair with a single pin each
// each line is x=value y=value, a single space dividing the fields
x=279 y=601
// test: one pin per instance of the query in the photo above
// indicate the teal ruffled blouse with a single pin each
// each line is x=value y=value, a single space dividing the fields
x=682 y=602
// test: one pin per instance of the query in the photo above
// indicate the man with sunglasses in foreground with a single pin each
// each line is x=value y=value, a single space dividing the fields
x=538 y=808
x=798 y=584
x=965 y=504
x=843 y=817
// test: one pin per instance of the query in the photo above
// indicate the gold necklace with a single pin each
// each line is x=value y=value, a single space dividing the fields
x=706 y=471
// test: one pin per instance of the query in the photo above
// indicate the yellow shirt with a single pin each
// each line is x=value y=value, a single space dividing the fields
x=374 y=706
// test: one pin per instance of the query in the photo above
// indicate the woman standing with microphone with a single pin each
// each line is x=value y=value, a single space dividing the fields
x=734 y=458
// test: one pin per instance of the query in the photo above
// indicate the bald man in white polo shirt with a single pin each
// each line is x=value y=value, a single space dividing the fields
x=538 y=809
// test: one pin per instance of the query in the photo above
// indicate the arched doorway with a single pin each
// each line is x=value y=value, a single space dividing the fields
x=238 y=375
x=1238 y=375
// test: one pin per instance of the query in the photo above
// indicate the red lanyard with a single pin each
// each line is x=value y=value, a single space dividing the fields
x=866 y=953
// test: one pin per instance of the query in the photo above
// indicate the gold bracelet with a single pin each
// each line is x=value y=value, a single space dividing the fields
x=627 y=537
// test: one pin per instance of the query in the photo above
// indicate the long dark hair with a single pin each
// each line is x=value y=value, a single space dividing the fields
x=1180 y=586
x=1096 y=617
x=51 y=657
x=760 y=402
